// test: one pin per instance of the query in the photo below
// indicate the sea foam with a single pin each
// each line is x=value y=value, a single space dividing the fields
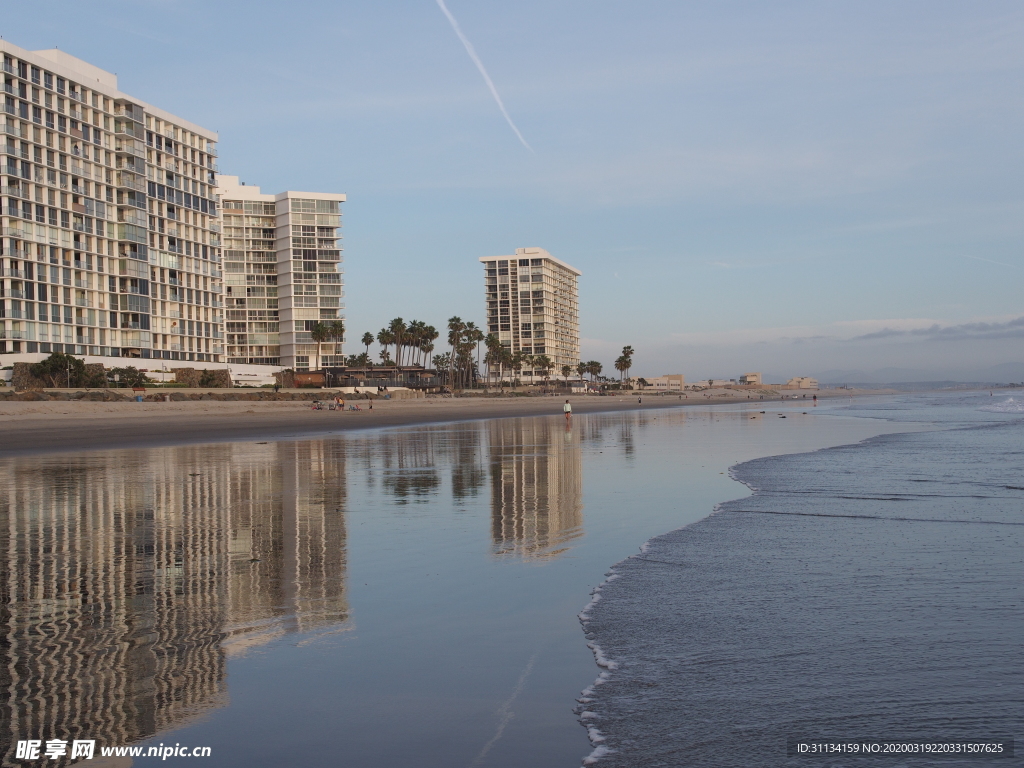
x=1009 y=405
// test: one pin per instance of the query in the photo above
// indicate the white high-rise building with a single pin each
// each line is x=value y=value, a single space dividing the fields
x=110 y=240
x=282 y=264
x=533 y=307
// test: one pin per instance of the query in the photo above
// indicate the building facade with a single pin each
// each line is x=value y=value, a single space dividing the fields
x=110 y=233
x=670 y=382
x=533 y=307
x=282 y=265
x=802 y=382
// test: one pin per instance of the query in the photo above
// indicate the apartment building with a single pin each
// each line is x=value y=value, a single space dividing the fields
x=533 y=306
x=110 y=241
x=282 y=265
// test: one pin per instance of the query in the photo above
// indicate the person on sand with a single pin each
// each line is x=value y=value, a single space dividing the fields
x=339 y=401
x=567 y=409
x=639 y=400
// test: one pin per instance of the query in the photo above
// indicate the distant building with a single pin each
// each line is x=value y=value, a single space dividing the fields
x=533 y=307
x=802 y=382
x=751 y=378
x=282 y=274
x=670 y=382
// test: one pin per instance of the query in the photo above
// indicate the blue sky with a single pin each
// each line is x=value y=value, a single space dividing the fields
x=795 y=188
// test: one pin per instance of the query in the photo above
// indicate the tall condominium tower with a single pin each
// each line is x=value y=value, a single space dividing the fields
x=533 y=306
x=110 y=242
x=282 y=265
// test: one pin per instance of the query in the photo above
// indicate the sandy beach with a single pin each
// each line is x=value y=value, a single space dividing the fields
x=62 y=426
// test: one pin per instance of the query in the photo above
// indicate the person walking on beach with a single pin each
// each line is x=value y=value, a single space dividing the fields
x=567 y=409
x=339 y=401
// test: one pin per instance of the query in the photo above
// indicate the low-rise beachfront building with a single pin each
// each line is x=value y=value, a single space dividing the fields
x=110 y=243
x=282 y=275
x=533 y=308
x=751 y=379
x=802 y=382
x=670 y=382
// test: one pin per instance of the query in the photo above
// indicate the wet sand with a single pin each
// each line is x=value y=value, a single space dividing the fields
x=57 y=426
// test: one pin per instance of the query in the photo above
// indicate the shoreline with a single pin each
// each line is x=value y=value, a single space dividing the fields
x=787 y=565
x=41 y=427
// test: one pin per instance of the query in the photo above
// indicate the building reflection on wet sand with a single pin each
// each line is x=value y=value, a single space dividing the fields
x=130 y=576
x=536 y=473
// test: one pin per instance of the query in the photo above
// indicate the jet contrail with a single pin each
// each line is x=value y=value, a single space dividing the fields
x=993 y=261
x=483 y=72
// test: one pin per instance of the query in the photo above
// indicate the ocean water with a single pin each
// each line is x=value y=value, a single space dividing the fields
x=384 y=598
x=871 y=591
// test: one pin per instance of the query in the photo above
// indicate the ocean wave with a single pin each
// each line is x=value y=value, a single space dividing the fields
x=1009 y=405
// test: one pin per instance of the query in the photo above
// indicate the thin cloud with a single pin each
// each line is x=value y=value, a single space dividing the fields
x=483 y=72
x=1013 y=329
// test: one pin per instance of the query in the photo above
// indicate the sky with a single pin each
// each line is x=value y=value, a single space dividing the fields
x=797 y=188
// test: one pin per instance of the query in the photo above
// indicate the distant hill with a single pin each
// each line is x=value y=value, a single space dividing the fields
x=1005 y=373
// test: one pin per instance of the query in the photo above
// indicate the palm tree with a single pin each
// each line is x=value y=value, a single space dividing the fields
x=319 y=333
x=594 y=368
x=430 y=335
x=455 y=329
x=475 y=336
x=544 y=363
x=621 y=365
x=627 y=357
x=385 y=339
x=367 y=341
x=566 y=370
x=337 y=330
x=581 y=368
x=398 y=329
x=414 y=338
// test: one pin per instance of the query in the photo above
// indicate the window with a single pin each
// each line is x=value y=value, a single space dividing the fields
x=60 y=85
x=524 y=262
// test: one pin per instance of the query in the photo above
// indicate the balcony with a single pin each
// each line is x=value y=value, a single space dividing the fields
x=15 y=294
x=12 y=232
x=14 y=273
x=80 y=284
x=12 y=150
x=130 y=148
x=131 y=181
x=4 y=334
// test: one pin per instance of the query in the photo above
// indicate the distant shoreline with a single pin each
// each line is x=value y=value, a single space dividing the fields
x=37 y=427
